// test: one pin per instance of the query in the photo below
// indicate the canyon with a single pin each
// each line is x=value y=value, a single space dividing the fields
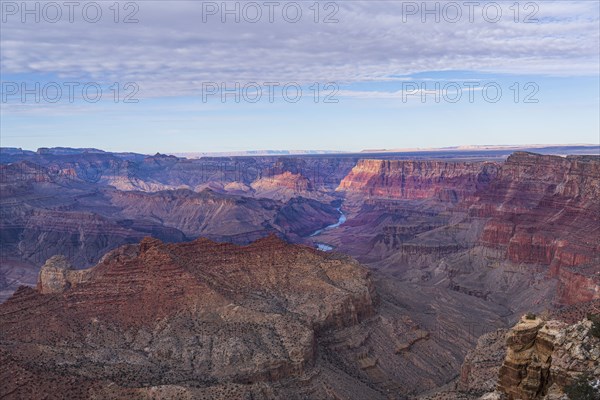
x=435 y=256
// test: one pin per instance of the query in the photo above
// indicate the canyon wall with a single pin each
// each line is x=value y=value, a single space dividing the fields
x=128 y=171
x=61 y=209
x=532 y=210
x=449 y=181
x=545 y=210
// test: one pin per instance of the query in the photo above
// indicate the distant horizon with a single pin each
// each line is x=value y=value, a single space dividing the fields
x=275 y=152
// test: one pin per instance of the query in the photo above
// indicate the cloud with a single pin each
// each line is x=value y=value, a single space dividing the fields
x=171 y=51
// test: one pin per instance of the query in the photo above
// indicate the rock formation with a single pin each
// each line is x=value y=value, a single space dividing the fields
x=545 y=356
x=216 y=320
x=447 y=181
x=158 y=314
x=457 y=249
x=544 y=211
x=282 y=185
x=58 y=275
x=84 y=220
x=525 y=373
x=536 y=359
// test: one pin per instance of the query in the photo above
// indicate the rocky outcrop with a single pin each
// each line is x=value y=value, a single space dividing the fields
x=536 y=359
x=576 y=353
x=446 y=181
x=284 y=187
x=58 y=275
x=545 y=356
x=286 y=180
x=158 y=314
x=525 y=373
x=219 y=321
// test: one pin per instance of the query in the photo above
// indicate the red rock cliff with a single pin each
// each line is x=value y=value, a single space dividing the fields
x=545 y=210
x=166 y=314
x=444 y=180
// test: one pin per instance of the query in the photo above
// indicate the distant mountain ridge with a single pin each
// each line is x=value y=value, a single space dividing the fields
x=595 y=148
x=557 y=149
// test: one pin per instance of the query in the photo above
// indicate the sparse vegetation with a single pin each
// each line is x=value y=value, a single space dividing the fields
x=582 y=389
x=595 y=330
x=530 y=316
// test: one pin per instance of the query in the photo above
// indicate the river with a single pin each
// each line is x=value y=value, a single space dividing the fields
x=325 y=246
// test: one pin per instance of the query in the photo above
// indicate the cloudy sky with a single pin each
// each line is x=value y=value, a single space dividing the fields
x=183 y=76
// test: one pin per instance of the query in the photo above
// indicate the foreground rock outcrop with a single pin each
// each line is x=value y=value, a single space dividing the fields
x=213 y=320
x=207 y=320
x=537 y=359
x=197 y=314
x=546 y=356
x=525 y=373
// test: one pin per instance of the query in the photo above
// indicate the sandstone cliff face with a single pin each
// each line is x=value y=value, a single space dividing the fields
x=525 y=373
x=282 y=186
x=285 y=180
x=58 y=275
x=545 y=356
x=446 y=181
x=536 y=359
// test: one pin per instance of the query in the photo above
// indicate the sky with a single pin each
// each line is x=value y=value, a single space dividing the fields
x=196 y=76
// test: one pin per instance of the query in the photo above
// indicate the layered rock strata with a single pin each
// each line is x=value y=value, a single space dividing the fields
x=448 y=181
x=545 y=356
x=199 y=313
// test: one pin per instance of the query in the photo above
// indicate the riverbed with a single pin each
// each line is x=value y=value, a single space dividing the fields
x=325 y=246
